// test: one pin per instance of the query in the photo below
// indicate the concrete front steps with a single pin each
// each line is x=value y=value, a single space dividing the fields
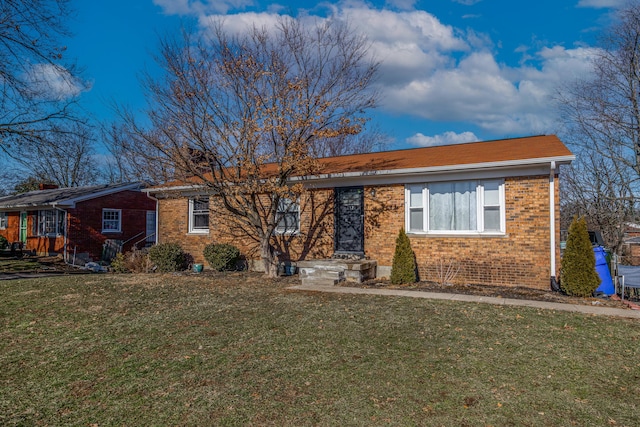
x=334 y=271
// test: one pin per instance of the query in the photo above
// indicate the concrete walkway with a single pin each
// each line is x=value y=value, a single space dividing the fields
x=578 y=308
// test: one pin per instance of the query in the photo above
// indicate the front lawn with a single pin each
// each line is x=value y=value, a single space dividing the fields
x=238 y=350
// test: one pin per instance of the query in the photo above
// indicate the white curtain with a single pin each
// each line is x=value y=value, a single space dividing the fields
x=453 y=206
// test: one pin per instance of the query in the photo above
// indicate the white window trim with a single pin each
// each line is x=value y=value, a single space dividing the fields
x=56 y=220
x=119 y=229
x=285 y=232
x=4 y=220
x=192 y=229
x=479 y=214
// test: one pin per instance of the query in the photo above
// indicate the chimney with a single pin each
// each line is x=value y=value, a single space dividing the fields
x=43 y=186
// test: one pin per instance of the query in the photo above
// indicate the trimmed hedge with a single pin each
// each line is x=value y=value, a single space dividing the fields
x=167 y=257
x=221 y=256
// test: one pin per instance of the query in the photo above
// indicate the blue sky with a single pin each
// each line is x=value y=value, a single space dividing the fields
x=452 y=70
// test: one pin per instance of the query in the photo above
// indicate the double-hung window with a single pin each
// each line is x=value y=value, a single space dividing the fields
x=3 y=220
x=111 y=220
x=288 y=216
x=456 y=207
x=199 y=215
x=50 y=222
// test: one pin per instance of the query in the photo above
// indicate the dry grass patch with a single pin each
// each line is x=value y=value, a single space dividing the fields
x=238 y=350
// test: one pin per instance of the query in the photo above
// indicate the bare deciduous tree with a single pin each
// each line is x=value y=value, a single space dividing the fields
x=244 y=113
x=596 y=188
x=602 y=115
x=65 y=158
x=38 y=87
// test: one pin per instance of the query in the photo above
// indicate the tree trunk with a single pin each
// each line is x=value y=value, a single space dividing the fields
x=269 y=259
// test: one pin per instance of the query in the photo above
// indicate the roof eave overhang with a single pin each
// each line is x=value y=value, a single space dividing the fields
x=510 y=164
x=35 y=206
x=392 y=175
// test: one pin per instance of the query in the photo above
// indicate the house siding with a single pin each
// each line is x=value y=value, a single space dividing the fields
x=85 y=221
x=12 y=232
x=84 y=225
x=520 y=257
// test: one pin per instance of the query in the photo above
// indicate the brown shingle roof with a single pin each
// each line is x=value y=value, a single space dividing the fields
x=524 y=150
x=504 y=150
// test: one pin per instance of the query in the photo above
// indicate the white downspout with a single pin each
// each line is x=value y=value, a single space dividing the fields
x=157 y=217
x=552 y=219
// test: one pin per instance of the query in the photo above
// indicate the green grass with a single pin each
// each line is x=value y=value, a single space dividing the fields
x=236 y=350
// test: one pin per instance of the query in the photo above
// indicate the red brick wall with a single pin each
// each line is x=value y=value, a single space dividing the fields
x=518 y=258
x=85 y=221
x=12 y=232
x=315 y=239
x=85 y=225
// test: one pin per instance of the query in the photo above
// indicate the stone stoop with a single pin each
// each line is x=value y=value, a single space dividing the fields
x=330 y=272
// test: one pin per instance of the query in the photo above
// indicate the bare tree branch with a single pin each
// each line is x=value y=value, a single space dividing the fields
x=244 y=113
x=38 y=88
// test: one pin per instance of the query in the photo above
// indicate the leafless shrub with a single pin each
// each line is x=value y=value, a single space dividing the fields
x=445 y=271
x=135 y=261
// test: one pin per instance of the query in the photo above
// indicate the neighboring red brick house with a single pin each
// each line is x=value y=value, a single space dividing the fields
x=78 y=221
x=491 y=208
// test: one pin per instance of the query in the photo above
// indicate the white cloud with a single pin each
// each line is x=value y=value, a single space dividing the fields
x=467 y=2
x=601 y=4
x=437 y=72
x=446 y=138
x=48 y=81
x=401 y=4
x=200 y=7
x=240 y=22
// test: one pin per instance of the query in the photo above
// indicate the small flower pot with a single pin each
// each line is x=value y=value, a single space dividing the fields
x=197 y=268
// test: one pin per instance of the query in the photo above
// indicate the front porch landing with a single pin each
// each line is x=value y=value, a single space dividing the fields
x=334 y=271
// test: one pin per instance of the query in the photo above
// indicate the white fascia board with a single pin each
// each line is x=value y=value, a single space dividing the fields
x=187 y=190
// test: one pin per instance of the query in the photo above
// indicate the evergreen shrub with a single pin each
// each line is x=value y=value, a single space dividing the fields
x=4 y=243
x=221 y=256
x=578 y=276
x=167 y=257
x=403 y=269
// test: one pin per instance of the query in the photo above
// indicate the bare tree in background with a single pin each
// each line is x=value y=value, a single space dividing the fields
x=243 y=114
x=596 y=188
x=602 y=114
x=67 y=158
x=38 y=86
x=124 y=163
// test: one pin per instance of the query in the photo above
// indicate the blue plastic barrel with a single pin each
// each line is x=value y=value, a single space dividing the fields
x=602 y=268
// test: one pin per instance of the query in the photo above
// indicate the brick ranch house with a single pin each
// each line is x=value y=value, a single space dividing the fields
x=490 y=208
x=79 y=220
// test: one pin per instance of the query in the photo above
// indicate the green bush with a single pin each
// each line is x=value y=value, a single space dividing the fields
x=221 y=256
x=403 y=269
x=578 y=276
x=167 y=257
x=4 y=243
x=118 y=264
